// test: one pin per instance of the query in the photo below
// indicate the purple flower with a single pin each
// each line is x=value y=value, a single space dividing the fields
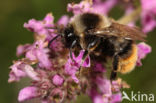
x=57 y=93
x=17 y=71
x=103 y=6
x=35 y=26
x=143 y=50
x=102 y=98
x=48 y=20
x=27 y=93
x=56 y=45
x=31 y=73
x=96 y=98
x=46 y=30
x=104 y=86
x=63 y=20
x=39 y=53
x=99 y=67
x=21 y=49
x=149 y=6
x=116 y=98
x=82 y=7
x=102 y=90
x=72 y=66
x=95 y=6
x=40 y=27
x=57 y=80
x=148 y=15
x=78 y=59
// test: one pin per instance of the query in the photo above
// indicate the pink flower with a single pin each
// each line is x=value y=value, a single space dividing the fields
x=116 y=98
x=99 y=67
x=48 y=20
x=20 y=70
x=148 y=15
x=17 y=71
x=149 y=5
x=21 y=49
x=39 y=53
x=78 y=59
x=143 y=50
x=31 y=73
x=46 y=29
x=63 y=20
x=97 y=6
x=102 y=98
x=57 y=44
x=72 y=66
x=104 y=86
x=27 y=93
x=13 y=77
x=35 y=26
x=103 y=7
x=40 y=27
x=82 y=7
x=57 y=80
x=98 y=99
x=95 y=96
x=57 y=93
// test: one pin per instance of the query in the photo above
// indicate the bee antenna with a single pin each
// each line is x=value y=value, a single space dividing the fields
x=53 y=40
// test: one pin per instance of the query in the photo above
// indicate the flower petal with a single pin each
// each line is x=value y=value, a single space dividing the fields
x=63 y=20
x=31 y=73
x=27 y=93
x=143 y=50
x=57 y=80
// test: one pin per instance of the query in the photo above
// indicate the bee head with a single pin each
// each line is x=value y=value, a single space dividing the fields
x=69 y=36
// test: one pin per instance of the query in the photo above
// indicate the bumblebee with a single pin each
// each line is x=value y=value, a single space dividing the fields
x=103 y=38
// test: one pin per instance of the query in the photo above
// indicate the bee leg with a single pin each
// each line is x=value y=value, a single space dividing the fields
x=115 y=67
x=50 y=42
x=113 y=75
x=70 y=49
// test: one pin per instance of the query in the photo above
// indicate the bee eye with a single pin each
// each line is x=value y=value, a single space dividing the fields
x=93 y=44
x=70 y=34
x=69 y=37
x=91 y=40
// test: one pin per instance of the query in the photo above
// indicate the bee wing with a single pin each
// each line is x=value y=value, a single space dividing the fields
x=120 y=30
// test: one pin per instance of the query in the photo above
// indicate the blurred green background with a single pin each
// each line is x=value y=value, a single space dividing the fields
x=13 y=14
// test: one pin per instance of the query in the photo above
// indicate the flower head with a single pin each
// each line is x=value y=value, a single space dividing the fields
x=97 y=6
x=148 y=15
x=72 y=66
x=82 y=7
x=39 y=27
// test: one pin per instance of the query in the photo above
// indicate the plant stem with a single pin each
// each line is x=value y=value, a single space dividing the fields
x=130 y=17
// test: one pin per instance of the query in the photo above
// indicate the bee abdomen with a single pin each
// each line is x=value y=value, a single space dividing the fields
x=128 y=64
